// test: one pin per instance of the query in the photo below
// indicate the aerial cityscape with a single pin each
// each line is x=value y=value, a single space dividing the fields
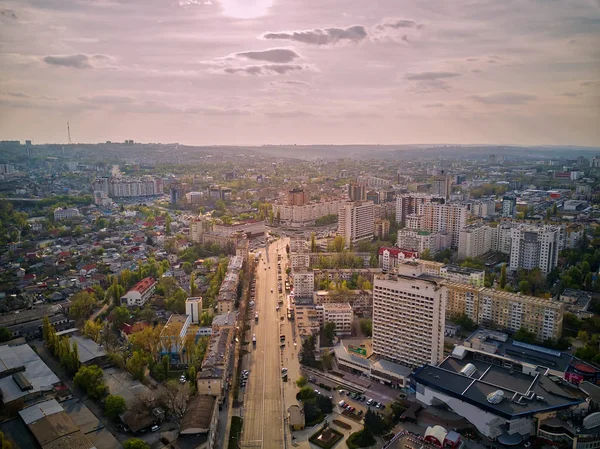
x=279 y=224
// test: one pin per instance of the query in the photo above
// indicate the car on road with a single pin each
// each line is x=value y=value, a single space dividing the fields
x=311 y=378
x=370 y=402
x=271 y=290
x=283 y=370
x=155 y=428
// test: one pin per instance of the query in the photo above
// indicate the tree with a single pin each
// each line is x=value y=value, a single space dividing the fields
x=525 y=336
x=287 y=248
x=4 y=444
x=175 y=397
x=362 y=438
x=338 y=243
x=329 y=331
x=120 y=315
x=82 y=305
x=89 y=379
x=136 y=364
x=168 y=221
x=307 y=355
x=375 y=423
x=366 y=327
x=5 y=334
x=306 y=393
x=502 y=281
x=301 y=382
x=324 y=403
x=114 y=405
x=135 y=443
x=582 y=336
x=147 y=340
x=426 y=255
x=187 y=267
x=313 y=243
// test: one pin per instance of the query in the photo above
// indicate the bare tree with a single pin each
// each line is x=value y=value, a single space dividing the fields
x=175 y=397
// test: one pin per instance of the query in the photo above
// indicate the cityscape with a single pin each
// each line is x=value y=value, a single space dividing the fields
x=299 y=224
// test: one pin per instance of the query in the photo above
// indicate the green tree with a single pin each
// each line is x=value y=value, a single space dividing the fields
x=120 y=315
x=502 y=281
x=426 y=255
x=187 y=267
x=329 y=331
x=306 y=393
x=82 y=305
x=583 y=336
x=89 y=379
x=168 y=221
x=307 y=354
x=525 y=336
x=338 y=243
x=5 y=334
x=375 y=423
x=136 y=364
x=366 y=327
x=362 y=438
x=313 y=243
x=324 y=403
x=135 y=443
x=114 y=405
x=301 y=382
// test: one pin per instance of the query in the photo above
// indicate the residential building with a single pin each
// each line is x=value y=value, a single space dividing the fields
x=372 y=181
x=341 y=314
x=140 y=293
x=129 y=187
x=173 y=337
x=298 y=197
x=212 y=378
x=463 y=275
x=193 y=308
x=357 y=192
x=201 y=418
x=441 y=186
x=408 y=317
x=505 y=310
x=228 y=292
x=198 y=228
x=476 y=240
x=408 y=204
x=361 y=301
x=304 y=283
x=299 y=261
x=251 y=228
x=421 y=240
x=65 y=213
x=534 y=247
x=509 y=204
x=382 y=229
x=389 y=257
x=306 y=214
x=483 y=208
x=415 y=221
x=445 y=218
x=356 y=221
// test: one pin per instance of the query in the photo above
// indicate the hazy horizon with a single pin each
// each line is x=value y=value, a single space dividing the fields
x=285 y=72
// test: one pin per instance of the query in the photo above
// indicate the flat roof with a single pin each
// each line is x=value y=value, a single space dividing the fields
x=386 y=365
x=489 y=378
x=90 y=425
x=88 y=349
x=36 y=372
x=174 y=325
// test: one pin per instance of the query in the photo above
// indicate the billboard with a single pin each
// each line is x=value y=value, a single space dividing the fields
x=357 y=350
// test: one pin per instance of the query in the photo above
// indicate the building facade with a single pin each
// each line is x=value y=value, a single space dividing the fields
x=140 y=293
x=356 y=221
x=341 y=314
x=534 y=247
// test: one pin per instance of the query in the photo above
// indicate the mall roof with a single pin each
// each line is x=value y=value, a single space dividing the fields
x=523 y=394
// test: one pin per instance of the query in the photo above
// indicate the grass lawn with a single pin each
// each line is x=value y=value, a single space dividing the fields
x=234 y=432
x=326 y=438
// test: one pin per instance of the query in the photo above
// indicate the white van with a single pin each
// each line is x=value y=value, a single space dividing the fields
x=341 y=403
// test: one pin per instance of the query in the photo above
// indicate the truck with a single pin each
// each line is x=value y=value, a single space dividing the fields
x=256 y=317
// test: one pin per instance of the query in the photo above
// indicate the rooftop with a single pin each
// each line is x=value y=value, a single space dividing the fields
x=198 y=416
x=225 y=319
x=174 y=325
x=34 y=370
x=523 y=394
x=462 y=270
x=143 y=285
x=88 y=349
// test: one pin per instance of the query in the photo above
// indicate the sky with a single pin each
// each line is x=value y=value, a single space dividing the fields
x=254 y=72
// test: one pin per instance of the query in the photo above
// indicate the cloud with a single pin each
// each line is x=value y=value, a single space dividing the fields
x=16 y=94
x=78 y=61
x=214 y=111
x=288 y=114
x=9 y=13
x=430 y=76
x=570 y=94
x=275 y=55
x=396 y=24
x=106 y=99
x=507 y=98
x=264 y=69
x=321 y=36
x=434 y=105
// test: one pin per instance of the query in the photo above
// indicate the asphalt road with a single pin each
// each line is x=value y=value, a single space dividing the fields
x=263 y=408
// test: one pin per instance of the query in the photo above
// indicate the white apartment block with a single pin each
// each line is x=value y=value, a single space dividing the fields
x=534 y=246
x=420 y=240
x=306 y=214
x=450 y=218
x=198 y=228
x=414 y=221
x=341 y=314
x=304 y=284
x=356 y=221
x=408 y=204
x=476 y=240
x=408 y=319
x=483 y=208
x=463 y=275
x=129 y=187
x=65 y=214
x=193 y=308
x=140 y=293
x=300 y=261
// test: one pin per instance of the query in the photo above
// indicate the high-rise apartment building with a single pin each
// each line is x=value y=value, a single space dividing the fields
x=297 y=197
x=441 y=186
x=483 y=208
x=357 y=192
x=408 y=319
x=450 y=218
x=476 y=240
x=534 y=247
x=356 y=221
x=505 y=310
x=509 y=203
x=341 y=314
x=306 y=214
x=408 y=204
x=304 y=283
x=129 y=187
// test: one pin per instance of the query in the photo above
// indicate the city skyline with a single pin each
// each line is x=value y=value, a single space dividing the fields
x=278 y=72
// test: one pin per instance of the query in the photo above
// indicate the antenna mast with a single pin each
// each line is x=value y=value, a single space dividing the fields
x=69 y=132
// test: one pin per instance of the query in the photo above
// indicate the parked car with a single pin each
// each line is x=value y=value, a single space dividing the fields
x=155 y=428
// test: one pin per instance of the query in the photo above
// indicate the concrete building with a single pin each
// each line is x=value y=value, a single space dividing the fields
x=173 y=337
x=389 y=257
x=306 y=214
x=408 y=317
x=534 y=247
x=298 y=197
x=65 y=213
x=198 y=228
x=421 y=240
x=463 y=275
x=129 y=187
x=140 y=293
x=476 y=240
x=444 y=218
x=505 y=310
x=304 y=284
x=357 y=192
x=201 y=418
x=509 y=204
x=408 y=204
x=356 y=221
x=341 y=314
x=296 y=419
x=381 y=229
x=361 y=301
x=441 y=186
x=483 y=208
x=212 y=378
x=193 y=308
